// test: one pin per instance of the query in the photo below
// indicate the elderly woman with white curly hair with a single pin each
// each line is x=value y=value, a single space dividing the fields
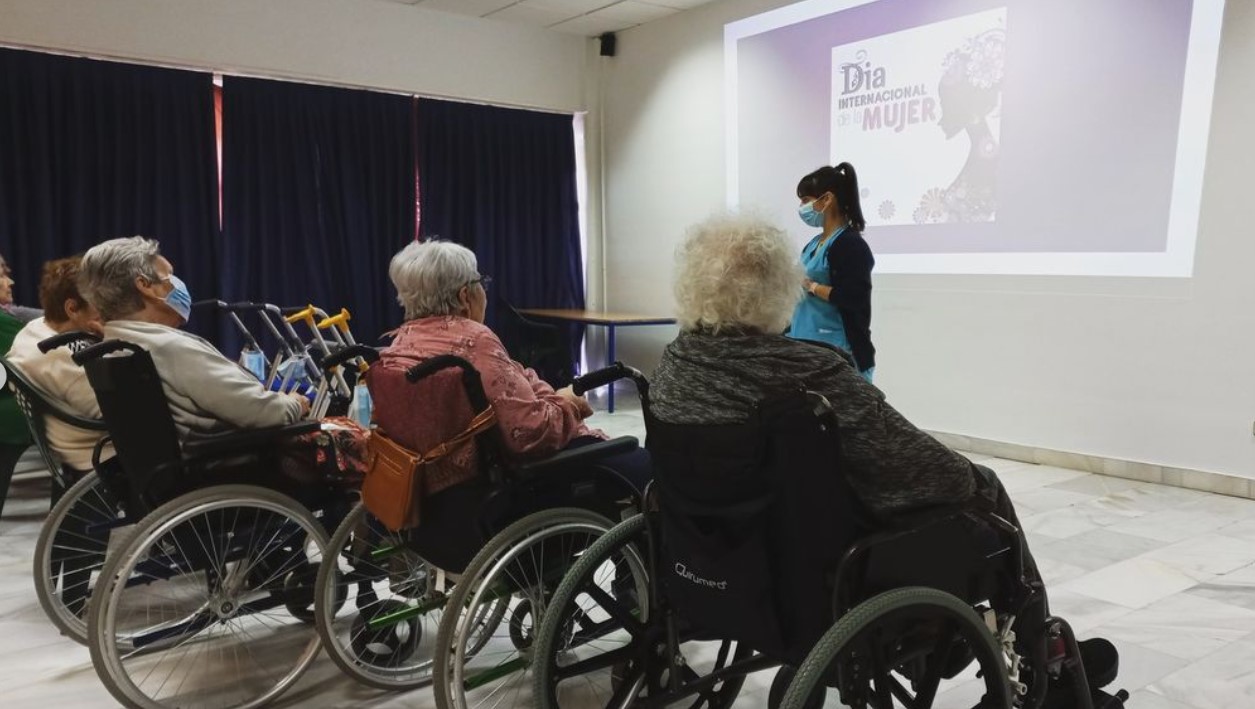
x=735 y=287
x=444 y=296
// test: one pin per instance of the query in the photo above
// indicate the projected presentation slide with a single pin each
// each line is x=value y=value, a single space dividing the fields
x=990 y=136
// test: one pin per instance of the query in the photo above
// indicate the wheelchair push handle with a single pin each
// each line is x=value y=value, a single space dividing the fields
x=245 y=307
x=471 y=381
x=240 y=307
x=368 y=354
x=66 y=338
x=608 y=375
x=233 y=311
x=104 y=348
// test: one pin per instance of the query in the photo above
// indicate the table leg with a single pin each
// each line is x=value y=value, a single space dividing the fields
x=609 y=361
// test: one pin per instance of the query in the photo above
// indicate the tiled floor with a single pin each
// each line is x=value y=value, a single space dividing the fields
x=1168 y=574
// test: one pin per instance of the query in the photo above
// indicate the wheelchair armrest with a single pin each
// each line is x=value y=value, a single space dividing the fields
x=99 y=450
x=222 y=444
x=579 y=456
x=66 y=338
x=918 y=519
x=889 y=528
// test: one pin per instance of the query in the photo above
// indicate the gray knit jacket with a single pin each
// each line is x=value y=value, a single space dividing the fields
x=891 y=464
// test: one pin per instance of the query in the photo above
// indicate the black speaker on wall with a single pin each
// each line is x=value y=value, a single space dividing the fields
x=607 y=44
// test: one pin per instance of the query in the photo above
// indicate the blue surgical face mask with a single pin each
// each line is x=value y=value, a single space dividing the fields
x=179 y=299
x=809 y=215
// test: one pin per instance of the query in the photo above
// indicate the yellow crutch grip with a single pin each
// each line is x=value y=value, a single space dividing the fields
x=341 y=321
x=306 y=314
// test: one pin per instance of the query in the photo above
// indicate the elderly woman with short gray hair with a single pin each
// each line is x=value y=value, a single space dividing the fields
x=444 y=296
x=141 y=301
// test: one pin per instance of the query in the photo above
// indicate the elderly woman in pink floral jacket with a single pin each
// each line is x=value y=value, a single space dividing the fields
x=443 y=293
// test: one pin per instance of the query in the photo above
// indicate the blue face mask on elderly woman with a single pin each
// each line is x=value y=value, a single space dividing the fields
x=179 y=299
x=810 y=215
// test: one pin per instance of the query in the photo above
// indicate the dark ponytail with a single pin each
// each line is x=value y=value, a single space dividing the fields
x=842 y=182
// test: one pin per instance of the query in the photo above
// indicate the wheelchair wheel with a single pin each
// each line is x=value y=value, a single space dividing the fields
x=378 y=605
x=479 y=660
x=193 y=610
x=71 y=551
x=894 y=650
x=598 y=644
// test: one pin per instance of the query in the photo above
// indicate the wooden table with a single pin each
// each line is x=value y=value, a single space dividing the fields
x=608 y=320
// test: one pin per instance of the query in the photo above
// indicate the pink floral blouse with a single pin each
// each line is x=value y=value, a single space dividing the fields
x=535 y=422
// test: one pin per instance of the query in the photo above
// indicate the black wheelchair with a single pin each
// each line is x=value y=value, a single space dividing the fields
x=741 y=561
x=86 y=508
x=200 y=555
x=68 y=550
x=454 y=600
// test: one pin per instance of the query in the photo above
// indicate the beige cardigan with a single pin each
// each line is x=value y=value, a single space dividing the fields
x=207 y=391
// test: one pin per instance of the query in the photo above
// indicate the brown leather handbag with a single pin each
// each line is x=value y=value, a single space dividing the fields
x=396 y=476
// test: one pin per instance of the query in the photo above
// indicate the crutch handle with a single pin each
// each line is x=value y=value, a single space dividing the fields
x=306 y=314
x=341 y=321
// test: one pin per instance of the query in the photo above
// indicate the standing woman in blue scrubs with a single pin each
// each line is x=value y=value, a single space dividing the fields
x=837 y=307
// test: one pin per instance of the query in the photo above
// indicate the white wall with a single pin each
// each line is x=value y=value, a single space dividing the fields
x=1151 y=370
x=356 y=42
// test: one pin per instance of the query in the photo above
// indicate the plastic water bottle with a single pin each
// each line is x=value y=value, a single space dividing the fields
x=255 y=362
x=299 y=387
x=361 y=409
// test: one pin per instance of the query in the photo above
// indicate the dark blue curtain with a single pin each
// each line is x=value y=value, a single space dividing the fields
x=501 y=182
x=93 y=150
x=318 y=194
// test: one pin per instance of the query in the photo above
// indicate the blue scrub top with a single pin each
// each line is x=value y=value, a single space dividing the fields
x=815 y=318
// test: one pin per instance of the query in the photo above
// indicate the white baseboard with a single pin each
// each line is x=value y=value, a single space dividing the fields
x=1201 y=480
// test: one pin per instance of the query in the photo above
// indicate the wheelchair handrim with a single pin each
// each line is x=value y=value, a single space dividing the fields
x=407 y=676
x=483 y=589
x=148 y=534
x=51 y=595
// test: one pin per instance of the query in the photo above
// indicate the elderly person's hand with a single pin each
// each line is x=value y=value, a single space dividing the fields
x=580 y=402
x=304 y=401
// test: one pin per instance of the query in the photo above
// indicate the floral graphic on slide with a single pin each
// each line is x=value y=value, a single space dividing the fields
x=932 y=207
x=887 y=209
x=970 y=92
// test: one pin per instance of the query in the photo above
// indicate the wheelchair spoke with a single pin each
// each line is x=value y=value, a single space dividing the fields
x=940 y=658
x=612 y=606
x=598 y=662
x=904 y=695
x=628 y=688
x=880 y=672
x=187 y=624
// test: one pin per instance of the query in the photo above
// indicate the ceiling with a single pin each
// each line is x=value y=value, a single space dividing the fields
x=582 y=17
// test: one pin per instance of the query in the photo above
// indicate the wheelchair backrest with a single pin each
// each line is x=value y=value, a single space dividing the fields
x=421 y=406
x=36 y=406
x=428 y=412
x=137 y=414
x=755 y=517
x=33 y=406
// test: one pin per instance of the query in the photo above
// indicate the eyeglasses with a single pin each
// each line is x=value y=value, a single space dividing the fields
x=483 y=280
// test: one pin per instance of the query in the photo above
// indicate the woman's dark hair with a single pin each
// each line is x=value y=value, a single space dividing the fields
x=842 y=182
